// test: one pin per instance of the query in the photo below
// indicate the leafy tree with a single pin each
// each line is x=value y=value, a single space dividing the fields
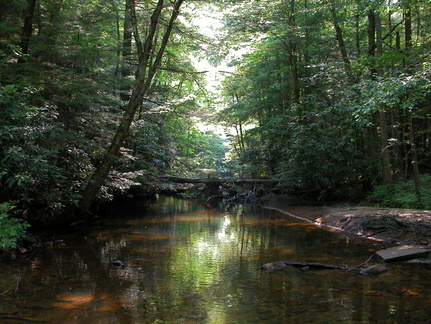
x=322 y=95
x=64 y=96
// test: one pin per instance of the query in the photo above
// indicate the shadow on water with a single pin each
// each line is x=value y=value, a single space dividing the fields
x=182 y=262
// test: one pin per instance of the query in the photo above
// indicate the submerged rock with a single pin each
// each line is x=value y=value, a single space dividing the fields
x=374 y=269
x=8 y=309
x=274 y=266
x=117 y=264
x=421 y=261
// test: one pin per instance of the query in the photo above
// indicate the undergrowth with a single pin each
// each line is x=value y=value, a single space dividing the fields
x=11 y=228
x=402 y=194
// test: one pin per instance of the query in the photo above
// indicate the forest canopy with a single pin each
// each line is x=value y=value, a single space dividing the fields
x=97 y=97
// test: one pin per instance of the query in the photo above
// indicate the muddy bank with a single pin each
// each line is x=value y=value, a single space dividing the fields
x=392 y=225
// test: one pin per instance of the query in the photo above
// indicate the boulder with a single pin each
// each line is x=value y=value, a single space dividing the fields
x=402 y=253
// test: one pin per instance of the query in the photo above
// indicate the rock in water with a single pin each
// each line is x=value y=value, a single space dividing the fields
x=274 y=266
x=117 y=264
x=402 y=253
x=375 y=269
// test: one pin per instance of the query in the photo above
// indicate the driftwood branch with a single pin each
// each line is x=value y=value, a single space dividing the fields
x=305 y=219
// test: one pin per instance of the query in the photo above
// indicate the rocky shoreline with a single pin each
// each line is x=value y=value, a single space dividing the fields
x=390 y=225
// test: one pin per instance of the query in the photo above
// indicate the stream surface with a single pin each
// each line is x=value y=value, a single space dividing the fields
x=188 y=263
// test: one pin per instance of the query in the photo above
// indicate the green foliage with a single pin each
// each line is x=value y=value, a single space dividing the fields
x=324 y=151
x=11 y=228
x=33 y=150
x=57 y=104
x=61 y=103
x=402 y=194
x=293 y=108
x=203 y=152
x=308 y=114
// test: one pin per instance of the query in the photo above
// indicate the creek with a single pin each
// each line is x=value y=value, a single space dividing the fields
x=185 y=262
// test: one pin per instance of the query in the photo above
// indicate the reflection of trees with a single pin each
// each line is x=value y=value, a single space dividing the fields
x=106 y=291
x=71 y=283
x=206 y=265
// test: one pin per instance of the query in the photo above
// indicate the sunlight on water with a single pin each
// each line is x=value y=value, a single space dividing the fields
x=71 y=301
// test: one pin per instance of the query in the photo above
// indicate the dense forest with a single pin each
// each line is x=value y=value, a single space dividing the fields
x=98 y=98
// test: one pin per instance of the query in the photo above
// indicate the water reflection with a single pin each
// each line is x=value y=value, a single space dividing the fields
x=185 y=263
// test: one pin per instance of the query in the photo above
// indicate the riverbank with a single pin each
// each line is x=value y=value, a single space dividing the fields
x=391 y=225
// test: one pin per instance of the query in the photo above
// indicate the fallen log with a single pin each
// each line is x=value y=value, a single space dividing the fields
x=303 y=265
x=367 y=270
x=168 y=178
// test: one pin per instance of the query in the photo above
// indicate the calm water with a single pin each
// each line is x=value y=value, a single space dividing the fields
x=186 y=263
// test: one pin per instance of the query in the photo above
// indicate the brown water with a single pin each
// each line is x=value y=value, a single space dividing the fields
x=186 y=263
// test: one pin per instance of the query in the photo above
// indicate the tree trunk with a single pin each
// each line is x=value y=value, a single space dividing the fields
x=342 y=45
x=145 y=75
x=357 y=36
x=28 y=28
x=293 y=53
x=408 y=28
x=414 y=154
x=371 y=32
x=384 y=148
x=386 y=164
x=126 y=70
x=415 y=161
x=375 y=49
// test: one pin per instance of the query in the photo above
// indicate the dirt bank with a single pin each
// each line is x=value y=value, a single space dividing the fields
x=397 y=226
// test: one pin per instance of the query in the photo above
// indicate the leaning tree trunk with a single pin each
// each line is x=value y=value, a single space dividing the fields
x=145 y=75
